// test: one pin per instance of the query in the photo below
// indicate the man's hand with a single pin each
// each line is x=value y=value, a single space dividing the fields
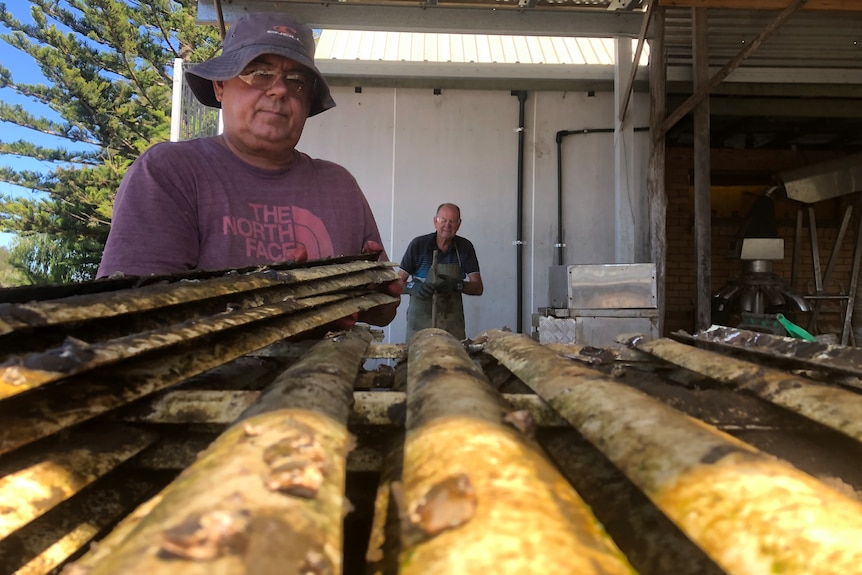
x=372 y=247
x=448 y=284
x=420 y=289
x=300 y=254
x=383 y=314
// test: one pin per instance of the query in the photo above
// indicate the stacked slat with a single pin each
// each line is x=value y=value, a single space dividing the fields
x=74 y=355
x=205 y=424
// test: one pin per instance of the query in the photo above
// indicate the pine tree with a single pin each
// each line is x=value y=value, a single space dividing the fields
x=9 y=275
x=109 y=64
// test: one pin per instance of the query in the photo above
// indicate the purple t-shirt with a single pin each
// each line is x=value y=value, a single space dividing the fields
x=194 y=205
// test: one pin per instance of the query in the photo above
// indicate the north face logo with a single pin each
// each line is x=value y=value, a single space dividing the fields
x=285 y=31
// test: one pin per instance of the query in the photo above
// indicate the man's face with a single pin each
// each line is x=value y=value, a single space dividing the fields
x=269 y=121
x=446 y=222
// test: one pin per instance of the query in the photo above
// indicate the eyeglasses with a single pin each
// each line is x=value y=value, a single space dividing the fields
x=444 y=221
x=296 y=81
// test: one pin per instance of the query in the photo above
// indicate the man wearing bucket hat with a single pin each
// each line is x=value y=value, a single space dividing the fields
x=247 y=196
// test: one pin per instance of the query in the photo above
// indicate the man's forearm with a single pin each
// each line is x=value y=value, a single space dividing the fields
x=474 y=285
x=381 y=315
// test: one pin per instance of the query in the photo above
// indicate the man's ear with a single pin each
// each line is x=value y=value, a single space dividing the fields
x=218 y=88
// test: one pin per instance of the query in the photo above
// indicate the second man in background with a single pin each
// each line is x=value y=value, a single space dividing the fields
x=435 y=284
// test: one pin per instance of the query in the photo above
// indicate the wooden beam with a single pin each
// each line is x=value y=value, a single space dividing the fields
x=836 y=5
x=703 y=91
x=637 y=58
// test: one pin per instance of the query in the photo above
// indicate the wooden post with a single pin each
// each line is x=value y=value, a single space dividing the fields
x=656 y=194
x=847 y=331
x=702 y=194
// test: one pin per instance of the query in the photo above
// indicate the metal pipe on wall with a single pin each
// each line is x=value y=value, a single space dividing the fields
x=560 y=135
x=519 y=239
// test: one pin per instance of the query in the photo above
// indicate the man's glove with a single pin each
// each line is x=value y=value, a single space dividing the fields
x=420 y=289
x=448 y=284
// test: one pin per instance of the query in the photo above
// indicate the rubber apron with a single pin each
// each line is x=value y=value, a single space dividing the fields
x=450 y=307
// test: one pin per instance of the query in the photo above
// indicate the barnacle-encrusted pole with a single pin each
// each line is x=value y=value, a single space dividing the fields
x=832 y=406
x=46 y=543
x=789 y=352
x=478 y=495
x=751 y=513
x=31 y=484
x=369 y=407
x=84 y=396
x=268 y=495
x=26 y=371
x=97 y=307
x=384 y=542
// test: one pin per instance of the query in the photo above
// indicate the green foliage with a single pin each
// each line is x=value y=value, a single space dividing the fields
x=43 y=259
x=9 y=275
x=108 y=65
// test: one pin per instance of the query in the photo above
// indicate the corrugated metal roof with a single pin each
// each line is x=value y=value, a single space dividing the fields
x=466 y=48
x=815 y=52
x=809 y=39
x=573 y=18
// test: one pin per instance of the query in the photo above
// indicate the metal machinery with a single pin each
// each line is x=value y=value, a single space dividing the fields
x=202 y=424
x=758 y=291
x=591 y=304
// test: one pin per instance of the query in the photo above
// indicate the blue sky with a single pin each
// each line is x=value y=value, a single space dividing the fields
x=25 y=70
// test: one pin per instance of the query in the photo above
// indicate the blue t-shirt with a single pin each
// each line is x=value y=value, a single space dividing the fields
x=420 y=254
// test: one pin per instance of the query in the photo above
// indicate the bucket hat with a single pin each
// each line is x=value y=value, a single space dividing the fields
x=249 y=37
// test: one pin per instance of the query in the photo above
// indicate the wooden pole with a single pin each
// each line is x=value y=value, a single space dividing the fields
x=384 y=543
x=751 y=513
x=433 y=273
x=44 y=545
x=830 y=267
x=702 y=192
x=38 y=484
x=268 y=495
x=847 y=331
x=843 y=363
x=479 y=496
x=656 y=193
x=833 y=407
x=638 y=51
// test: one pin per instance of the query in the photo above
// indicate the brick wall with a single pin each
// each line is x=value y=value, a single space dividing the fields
x=730 y=205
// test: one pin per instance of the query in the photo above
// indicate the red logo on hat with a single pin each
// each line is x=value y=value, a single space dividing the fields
x=285 y=31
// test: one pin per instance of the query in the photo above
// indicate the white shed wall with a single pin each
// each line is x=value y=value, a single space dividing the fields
x=411 y=150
